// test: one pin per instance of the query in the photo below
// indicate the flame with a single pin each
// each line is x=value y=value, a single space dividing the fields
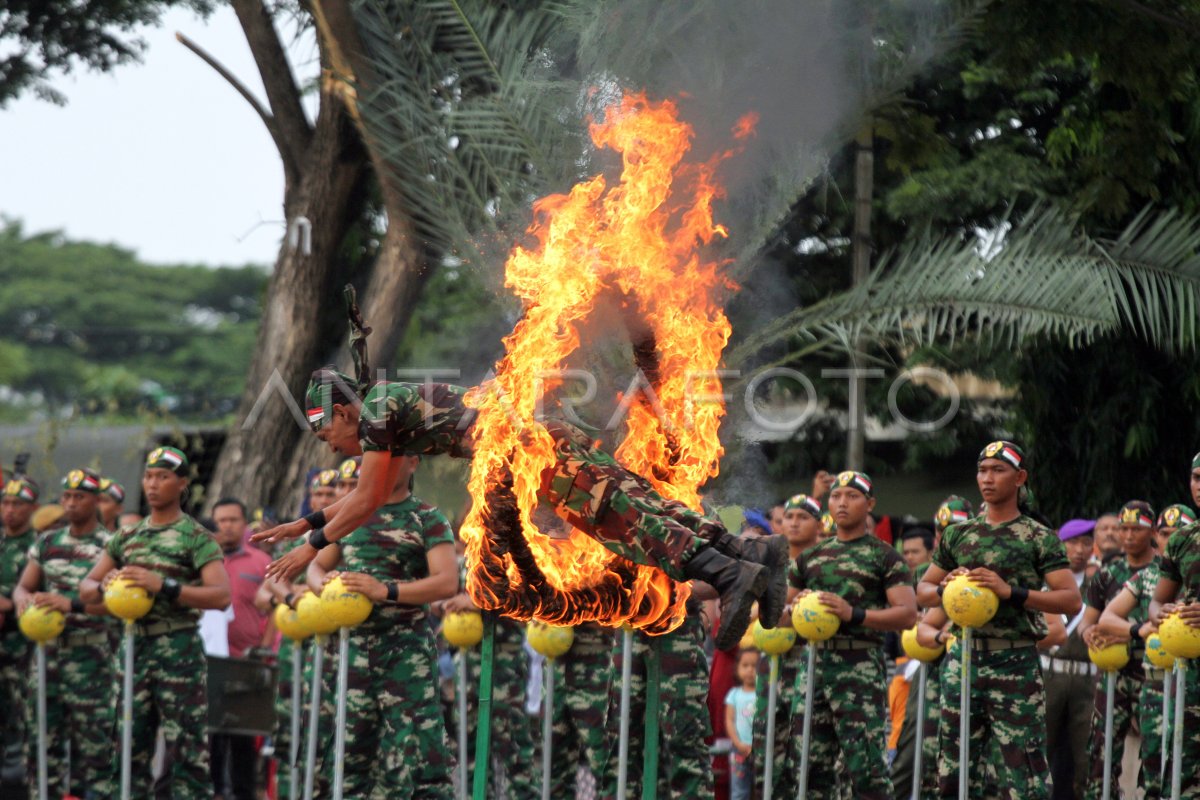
x=637 y=243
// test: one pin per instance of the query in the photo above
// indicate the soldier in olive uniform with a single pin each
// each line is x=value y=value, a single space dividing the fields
x=867 y=585
x=174 y=558
x=582 y=682
x=1008 y=725
x=81 y=706
x=112 y=501
x=17 y=505
x=401 y=560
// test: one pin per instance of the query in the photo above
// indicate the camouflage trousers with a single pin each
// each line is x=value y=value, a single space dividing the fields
x=81 y=709
x=1150 y=723
x=1191 y=734
x=619 y=509
x=849 y=725
x=905 y=763
x=170 y=691
x=787 y=750
x=512 y=763
x=1126 y=695
x=582 y=680
x=684 y=765
x=282 y=737
x=1008 y=726
x=396 y=743
x=14 y=669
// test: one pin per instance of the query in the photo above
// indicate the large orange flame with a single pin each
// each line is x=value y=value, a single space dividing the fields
x=637 y=244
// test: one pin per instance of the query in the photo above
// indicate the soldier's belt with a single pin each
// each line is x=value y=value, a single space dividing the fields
x=1067 y=666
x=845 y=644
x=985 y=644
x=167 y=626
x=85 y=638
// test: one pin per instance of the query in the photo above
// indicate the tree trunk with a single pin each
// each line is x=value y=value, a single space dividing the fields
x=864 y=178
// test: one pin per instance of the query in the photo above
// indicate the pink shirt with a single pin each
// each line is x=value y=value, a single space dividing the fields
x=246 y=567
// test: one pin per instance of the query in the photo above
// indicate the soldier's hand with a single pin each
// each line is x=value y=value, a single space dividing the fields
x=1189 y=613
x=52 y=600
x=459 y=603
x=288 y=530
x=149 y=580
x=1095 y=639
x=374 y=590
x=108 y=578
x=838 y=605
x=822 y=483
x=984 y=577
x=292 y=564
x=952 y=574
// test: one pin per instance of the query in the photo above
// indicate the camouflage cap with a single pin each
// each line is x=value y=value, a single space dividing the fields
x=348 y=471
x=1176 y=516
x=82 y=480
x=855 y=480
x=1137 y=512
x=953 y=510
x=113 y=489
x=802 y=501
x=1008 y=452
x=326 y=387
x=326 y=477
x=23 y=488
x=171 y=458
x=1196 y=461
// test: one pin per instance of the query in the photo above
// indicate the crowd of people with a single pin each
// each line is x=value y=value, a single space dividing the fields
x=1037 y=705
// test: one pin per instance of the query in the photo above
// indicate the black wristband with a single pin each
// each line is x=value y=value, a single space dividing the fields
x=1019 y=595
x=316 y=519
x=393 y=592
x=317 y=540
x=76 y=605
x=941 y=590
x=1134 y=632
x=171 y=589
x=938 y=638
x=857 y=615
x=288 y=598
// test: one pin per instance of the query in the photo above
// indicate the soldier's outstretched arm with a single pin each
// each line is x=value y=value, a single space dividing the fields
x=1114 y=620
x=1056 y=632
x=1165 y=593
x=927 y=595
x=1060 y=597
x=91 y=588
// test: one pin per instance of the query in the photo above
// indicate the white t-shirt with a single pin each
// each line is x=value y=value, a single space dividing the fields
x=214 y=630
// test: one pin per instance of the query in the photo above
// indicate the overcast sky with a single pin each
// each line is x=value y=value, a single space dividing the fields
x=163 y=157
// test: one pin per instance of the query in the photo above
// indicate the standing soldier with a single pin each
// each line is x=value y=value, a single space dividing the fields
x=1021 y=556
x=174 y=558
x=17 y=505
x=865 y=583
x=81 y=705
x=347 y=478
x=402 y=560
x=1137 y=540
x=581 y=687
x=111 y=500
x=322 y=489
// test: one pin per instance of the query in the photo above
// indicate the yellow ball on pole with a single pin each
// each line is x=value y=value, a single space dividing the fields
x=287 y=621
x=463 y=628
x=41 y=624
x=773 y=642
x=813 y=620
x=1179 y=638
x=1111 y=657
x=968 y=604
x=311 y=613
x=914 y=649
x=343 y=606
x=551 y=641
x=126 y=600
x=1158 y=655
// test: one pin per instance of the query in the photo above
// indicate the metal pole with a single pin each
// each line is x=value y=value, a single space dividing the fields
x=547 y=726
x=918 y=765
x=1177 y=750
x=623 y=731
x=806 y=735
x=464 y=790
x=314 y=716
x=964 y=722
x=650 y=737
x=297 y=710
x=1166 y=717
x=483 y=730
x=1110 y=693
x=772 y=702
x=43 y=782
x=339 y=730
x=127 y=715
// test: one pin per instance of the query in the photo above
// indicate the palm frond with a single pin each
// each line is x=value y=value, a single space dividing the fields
x=1044 y=278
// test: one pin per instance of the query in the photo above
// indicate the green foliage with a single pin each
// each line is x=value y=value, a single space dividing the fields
x=90 y=325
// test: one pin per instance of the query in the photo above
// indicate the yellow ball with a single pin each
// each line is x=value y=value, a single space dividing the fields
x=312 y=614
x=343 y=606
x=969 y=605
x=126 y=601
x=1178 y=638
x=1157 y=655
x=463 y=629
x=289 y=624
x=774 y=642
x=551 y=641
x=812 y=620
x=914 y=649
x=41 y=624
x=1110 y=658
x=747 y=640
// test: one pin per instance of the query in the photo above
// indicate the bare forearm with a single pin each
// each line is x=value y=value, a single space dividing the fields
x=427 y=590
x=1055 y=601
x=89 y=592
x=927 y=595
x=204 y=597
x=894 y=618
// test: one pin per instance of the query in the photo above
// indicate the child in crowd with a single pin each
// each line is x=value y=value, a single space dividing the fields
x=739 y=723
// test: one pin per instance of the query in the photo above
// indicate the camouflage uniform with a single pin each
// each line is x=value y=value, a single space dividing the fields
x=850 y=700
x=581 y=685
x=902 y=767
x=1105 y=586
x=1181 y=564
x=170 y=673
x=586 y=487
x=684 y=764
x=81 y=682
x=786 y=749
x=1149 y=707
x=1008 y=722
x=14 y=647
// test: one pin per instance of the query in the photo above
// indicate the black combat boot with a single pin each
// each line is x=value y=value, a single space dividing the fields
x=738 y=582
x=772 y=553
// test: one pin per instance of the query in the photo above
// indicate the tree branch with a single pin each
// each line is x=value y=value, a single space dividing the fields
x=1142 y=9
x=282 y=93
